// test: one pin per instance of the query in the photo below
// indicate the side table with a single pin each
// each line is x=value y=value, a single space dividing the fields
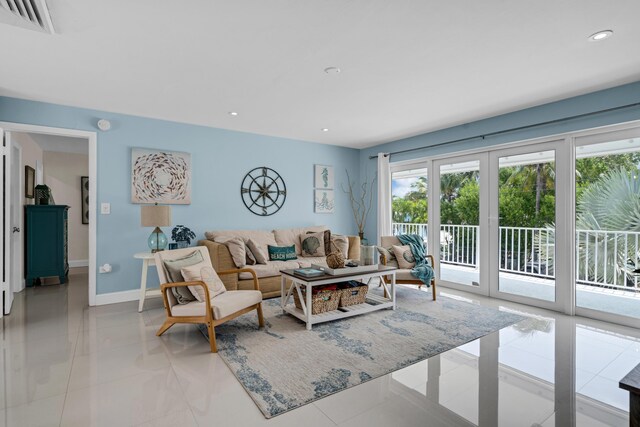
x=148 y=259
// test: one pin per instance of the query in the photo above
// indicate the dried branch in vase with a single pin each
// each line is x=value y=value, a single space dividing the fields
x=361 y=201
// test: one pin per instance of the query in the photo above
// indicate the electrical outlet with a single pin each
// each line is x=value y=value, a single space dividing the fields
x=105 y=208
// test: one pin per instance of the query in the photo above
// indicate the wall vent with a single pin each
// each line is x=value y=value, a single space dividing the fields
x=32 y=14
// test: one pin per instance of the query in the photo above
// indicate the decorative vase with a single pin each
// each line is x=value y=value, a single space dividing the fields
x=182 y=244
x=361 y=234
x=367 y=255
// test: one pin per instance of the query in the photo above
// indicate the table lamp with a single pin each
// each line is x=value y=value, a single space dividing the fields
x=156 y=216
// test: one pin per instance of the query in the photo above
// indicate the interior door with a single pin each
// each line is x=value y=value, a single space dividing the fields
x=5 y=171
x=528 y=244
x=16 y=217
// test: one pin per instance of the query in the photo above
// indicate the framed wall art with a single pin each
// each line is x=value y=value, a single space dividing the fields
x=159 y=176
x=323 y=177
x=29 y=182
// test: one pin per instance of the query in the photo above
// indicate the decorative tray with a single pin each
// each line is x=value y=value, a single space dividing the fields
x=346 y=270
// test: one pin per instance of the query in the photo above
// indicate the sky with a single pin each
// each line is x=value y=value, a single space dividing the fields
x=400 y=187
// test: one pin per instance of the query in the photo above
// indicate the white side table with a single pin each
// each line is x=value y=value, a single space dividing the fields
x=148 y=259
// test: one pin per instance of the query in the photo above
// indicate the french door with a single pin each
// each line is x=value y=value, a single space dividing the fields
x=530 y=238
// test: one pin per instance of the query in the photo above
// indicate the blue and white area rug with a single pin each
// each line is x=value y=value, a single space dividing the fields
x=284 y=366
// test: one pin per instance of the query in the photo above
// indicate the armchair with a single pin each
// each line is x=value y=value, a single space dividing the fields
x=212 y=311
x=403 y=276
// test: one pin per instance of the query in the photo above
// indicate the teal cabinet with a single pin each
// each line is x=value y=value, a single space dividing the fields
x=46 y=242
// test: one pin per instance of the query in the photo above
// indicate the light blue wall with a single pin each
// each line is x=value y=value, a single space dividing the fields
x=220 y=159
x=596 y=101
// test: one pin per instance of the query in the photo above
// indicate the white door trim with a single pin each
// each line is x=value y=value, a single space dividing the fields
x=18 y=284
x=92 y=138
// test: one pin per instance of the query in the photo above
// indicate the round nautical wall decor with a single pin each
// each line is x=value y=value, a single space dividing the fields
x=263 y=191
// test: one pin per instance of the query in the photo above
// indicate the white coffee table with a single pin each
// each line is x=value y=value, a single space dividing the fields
x=373 y=302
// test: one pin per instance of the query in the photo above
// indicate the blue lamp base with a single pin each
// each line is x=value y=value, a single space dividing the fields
x=157 y=240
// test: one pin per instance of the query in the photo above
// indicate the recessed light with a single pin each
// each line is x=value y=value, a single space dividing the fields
x=325 y=129
x=332 y=70
x=600 y=35
x=233 y=113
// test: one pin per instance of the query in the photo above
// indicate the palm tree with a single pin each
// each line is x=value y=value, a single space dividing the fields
x=541 y=176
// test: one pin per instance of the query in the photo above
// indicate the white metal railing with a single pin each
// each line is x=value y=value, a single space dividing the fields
x=605 y=258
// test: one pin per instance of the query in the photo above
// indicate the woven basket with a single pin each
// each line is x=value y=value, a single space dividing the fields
x=335 y=259
x=353 y=295
x=321 y=302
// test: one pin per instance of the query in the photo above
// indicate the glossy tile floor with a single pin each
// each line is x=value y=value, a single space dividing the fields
x=63 y=363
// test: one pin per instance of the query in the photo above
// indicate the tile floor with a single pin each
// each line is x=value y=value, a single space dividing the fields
x=63 y=363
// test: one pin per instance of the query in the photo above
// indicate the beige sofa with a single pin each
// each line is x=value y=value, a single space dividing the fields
x=269 y=273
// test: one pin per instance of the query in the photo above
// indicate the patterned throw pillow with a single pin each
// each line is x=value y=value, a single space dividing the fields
x=282 y=253
x=404 y=256
x=313 y=244
x=327 y=240
x=206 y=274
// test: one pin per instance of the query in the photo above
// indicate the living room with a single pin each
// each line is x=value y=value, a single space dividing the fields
x=474 y=146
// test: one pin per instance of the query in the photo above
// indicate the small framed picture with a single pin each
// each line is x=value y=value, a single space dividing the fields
x=29 y=182
x=173 y=246
x=323 y=177
x=324 y=201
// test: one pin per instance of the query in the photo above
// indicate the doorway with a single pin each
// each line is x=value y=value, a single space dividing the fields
x=57 y=147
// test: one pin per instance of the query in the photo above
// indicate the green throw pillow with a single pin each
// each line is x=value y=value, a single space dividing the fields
x=282 y=253
x=173 y=266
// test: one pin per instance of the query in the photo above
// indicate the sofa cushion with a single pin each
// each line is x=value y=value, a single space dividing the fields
x=313 y=244
x=404 y=256
x=305 y=262
x=282 y=253
x=291 y=236
x=270 y=269
x=237 y=250
x=261 y=238
x=207 y=275
x=223 y=305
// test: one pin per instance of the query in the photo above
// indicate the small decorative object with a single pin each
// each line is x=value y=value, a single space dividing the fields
x=29 y=182
x=324 y=177
x=84 y=193
x=173 y=246
x=182 y=236
x=367 y=255
x=361 y=202
x=43 y=195
x=156 y=216
x=324 y=201
x=160 y=177
x=335 y=259
x=263 y=191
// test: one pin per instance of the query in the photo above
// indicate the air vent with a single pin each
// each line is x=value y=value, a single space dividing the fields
x=33 y=14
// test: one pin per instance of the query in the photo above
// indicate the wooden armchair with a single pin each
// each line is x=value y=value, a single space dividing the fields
x=212 y=311
x=404 y=276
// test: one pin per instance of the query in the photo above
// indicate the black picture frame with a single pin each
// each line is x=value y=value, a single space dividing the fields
x=84 y=202
x=29 y=182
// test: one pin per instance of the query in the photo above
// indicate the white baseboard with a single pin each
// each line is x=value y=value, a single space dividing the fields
x=79 y=263
x=116 y=297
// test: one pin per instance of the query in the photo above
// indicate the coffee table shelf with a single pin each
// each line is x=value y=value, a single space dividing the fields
x=373 y=302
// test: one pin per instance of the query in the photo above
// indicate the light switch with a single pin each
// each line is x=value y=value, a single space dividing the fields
x=105 y=208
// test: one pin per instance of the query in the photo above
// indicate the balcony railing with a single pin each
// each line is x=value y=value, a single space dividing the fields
x=605 y=258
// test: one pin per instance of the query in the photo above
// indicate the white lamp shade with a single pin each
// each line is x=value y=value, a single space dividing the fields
x=155 y=216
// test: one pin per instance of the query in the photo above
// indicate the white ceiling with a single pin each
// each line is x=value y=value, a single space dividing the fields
x=60 y=144
x=408 y=67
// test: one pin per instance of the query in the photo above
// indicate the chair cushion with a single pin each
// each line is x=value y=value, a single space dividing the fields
x=387 y=253
x=223 y=305
x=404 y=256
x=206 y=274
x=388 y=241
x=270 y=269
x=405 y=274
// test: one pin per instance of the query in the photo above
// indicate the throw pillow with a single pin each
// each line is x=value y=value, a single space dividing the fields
x=258 y=252
x=282 y=253
x=327 y=240
x=237 y=250
x=342 y=243
x=173 y=268
x=250 y=259
x=387 y=253
x=206 y=274
x=313 y=244
x=404 y=256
